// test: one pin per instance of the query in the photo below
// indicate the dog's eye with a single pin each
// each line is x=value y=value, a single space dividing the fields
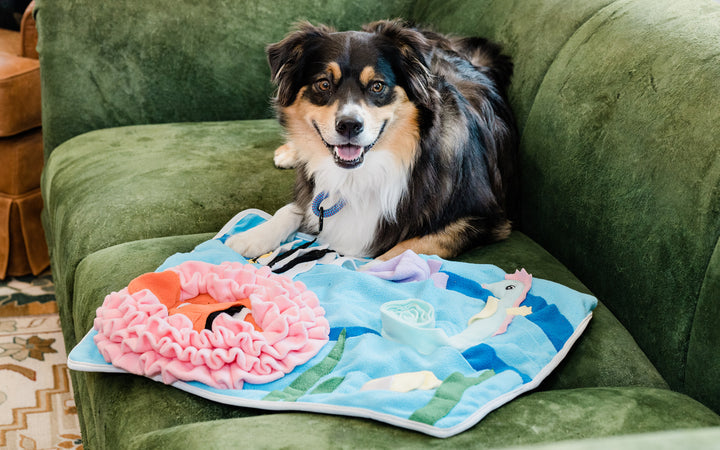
x=323 y=85
x=377 y=87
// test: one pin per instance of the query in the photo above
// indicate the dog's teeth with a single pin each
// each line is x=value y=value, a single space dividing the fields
x=348 y=152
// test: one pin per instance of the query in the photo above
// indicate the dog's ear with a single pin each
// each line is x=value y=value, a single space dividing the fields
x=413 y=50
x=286 y=59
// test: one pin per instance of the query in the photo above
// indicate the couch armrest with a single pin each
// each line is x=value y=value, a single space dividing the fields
x=621 y=176
x=28 y=33
x=19 y=94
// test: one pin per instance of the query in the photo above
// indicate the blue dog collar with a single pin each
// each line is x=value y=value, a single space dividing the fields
x=322 y=212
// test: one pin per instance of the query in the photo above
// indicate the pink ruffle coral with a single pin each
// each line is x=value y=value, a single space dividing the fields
x=136 y=333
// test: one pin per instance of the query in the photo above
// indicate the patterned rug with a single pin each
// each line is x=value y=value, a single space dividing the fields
x=37 y=410
x=23 y=296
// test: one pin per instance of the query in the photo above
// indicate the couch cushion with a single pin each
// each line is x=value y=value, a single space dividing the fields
x=119 y=409
x=10 y=41
x=701 y=438
x=605 y=356
x=122 y=184
x=19 y=94
x=536 y=418
x=125 y=184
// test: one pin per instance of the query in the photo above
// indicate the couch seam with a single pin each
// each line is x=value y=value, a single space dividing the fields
x=688 y=340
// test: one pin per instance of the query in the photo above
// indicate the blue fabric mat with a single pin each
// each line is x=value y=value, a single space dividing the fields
x=404 y=352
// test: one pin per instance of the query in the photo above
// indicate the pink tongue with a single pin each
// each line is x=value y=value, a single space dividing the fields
x=348 y=152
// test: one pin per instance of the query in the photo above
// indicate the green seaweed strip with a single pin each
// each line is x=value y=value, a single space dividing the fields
x=447 y=396
x=328 y=386
x=311 y=376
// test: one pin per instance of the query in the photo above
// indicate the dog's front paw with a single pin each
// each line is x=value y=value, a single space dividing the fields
x=285 y=157
x=251 y=243
x=267 y=236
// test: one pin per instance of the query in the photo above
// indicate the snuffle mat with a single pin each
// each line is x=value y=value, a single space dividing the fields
x=417 y=342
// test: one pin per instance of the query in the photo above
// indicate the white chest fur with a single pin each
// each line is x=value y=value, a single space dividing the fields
x=371 y=192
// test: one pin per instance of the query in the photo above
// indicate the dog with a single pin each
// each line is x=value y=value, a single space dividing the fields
x=402 y=138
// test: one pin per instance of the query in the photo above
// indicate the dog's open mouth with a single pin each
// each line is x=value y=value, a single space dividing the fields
x=349 y=156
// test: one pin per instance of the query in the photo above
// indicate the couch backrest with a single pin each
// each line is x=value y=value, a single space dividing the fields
x=111 y=63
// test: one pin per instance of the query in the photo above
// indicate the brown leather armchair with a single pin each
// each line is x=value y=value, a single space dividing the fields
x=22 y=241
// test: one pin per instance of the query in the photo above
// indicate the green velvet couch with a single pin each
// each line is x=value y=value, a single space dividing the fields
x=158 y=129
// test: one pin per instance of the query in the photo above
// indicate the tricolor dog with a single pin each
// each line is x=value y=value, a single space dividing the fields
x=401 y=138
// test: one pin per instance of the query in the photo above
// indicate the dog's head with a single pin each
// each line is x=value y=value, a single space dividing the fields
x=341 y=93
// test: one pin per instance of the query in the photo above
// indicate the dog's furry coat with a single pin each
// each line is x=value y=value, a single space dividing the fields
x=410 y=129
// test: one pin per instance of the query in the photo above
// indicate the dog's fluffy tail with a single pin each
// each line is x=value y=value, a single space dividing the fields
x=488 y=57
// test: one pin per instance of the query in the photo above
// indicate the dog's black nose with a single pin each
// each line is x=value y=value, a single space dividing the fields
x=349 y=126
